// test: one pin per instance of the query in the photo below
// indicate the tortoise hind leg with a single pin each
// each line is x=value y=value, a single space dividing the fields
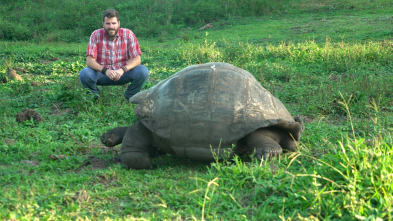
x=264 y=142
x=137 y=146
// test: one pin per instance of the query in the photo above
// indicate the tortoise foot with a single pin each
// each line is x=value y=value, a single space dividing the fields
x=113 y=137
x=135 y=160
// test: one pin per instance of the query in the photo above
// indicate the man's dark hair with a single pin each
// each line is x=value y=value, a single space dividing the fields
x=110 y=14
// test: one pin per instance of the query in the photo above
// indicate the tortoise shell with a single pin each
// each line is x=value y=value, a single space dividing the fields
x=210 y=105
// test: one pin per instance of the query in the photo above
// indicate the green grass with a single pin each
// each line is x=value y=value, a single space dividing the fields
x=329 y=64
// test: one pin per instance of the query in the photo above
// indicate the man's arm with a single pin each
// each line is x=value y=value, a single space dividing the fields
x=92 y=63
x=133 y=62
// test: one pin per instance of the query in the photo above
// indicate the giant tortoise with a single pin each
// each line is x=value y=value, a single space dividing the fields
x=204 y=112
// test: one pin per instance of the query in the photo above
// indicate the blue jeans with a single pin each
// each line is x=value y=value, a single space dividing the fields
x=90 y=78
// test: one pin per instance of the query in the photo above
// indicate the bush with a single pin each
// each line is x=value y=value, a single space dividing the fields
x=38 y=19
x=14 y=31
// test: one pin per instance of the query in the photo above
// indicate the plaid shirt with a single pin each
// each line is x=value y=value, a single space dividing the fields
x=113 y=54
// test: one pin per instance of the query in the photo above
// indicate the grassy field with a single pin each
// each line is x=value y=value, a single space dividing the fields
x=333 y=67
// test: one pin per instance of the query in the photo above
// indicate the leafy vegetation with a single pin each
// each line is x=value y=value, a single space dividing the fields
x=328 y=61
x=59 y=21
x=74 y=20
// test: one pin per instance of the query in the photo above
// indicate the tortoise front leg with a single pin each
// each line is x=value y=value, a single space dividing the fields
x=137 y=147
x=113 y=137
x=263 y=143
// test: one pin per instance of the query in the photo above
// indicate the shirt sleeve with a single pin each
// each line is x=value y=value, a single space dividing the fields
x=133 y=48
x=92 y=46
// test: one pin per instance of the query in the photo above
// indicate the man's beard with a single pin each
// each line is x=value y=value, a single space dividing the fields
x=109 y=35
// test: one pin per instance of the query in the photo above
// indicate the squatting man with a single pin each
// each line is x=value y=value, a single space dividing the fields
x=113 y=57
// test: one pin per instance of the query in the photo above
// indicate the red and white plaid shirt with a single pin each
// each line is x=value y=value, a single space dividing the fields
x=113 y=54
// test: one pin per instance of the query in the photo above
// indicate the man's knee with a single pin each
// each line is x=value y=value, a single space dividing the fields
x=143 y=72
x=86 y=74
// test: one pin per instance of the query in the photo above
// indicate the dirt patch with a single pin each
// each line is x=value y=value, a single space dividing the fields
x=28 y=114
x=59 y=109
x=9 y=142
x=36 y=83
x=44 y=61
x=308 y=119
x=94 y=162
x=80 y=197
x=58 y=157
x=13 y=75
x=207 y=26
x=32 y=163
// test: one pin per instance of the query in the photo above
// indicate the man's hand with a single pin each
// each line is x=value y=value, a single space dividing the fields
x=114 y=75
x=119 y=73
